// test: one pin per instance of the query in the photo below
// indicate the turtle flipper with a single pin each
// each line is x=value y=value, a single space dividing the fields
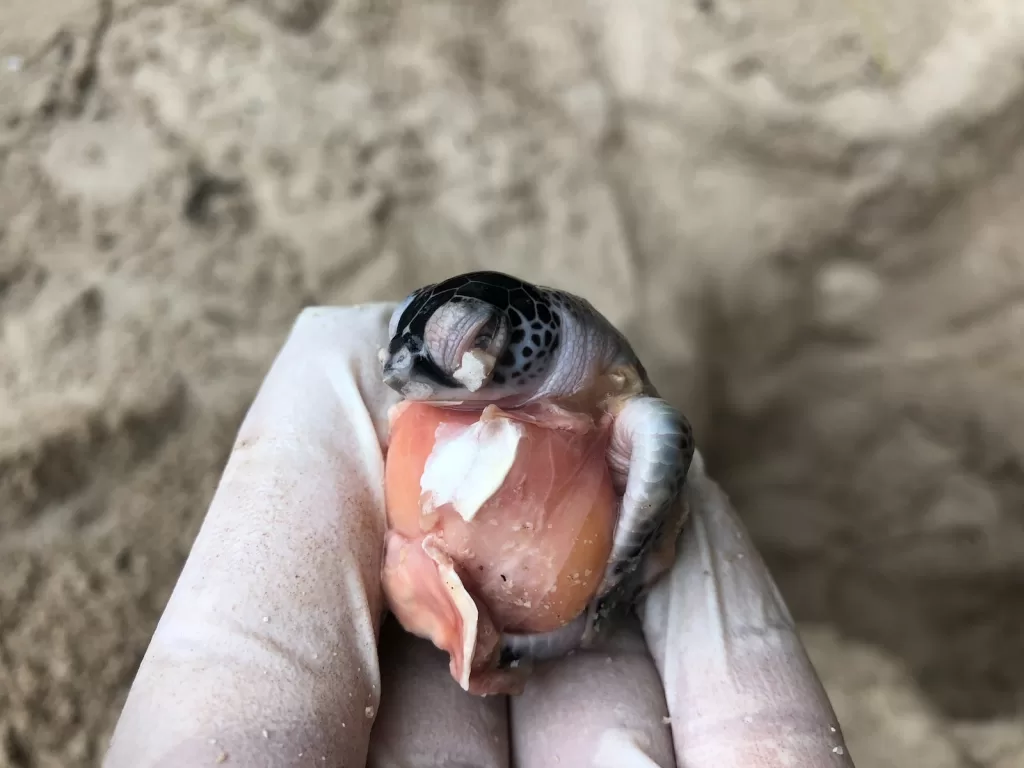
x=542 y=646
x=652 y=446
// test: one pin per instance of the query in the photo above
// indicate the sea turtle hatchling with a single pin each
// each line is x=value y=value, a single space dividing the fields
x=485 y=338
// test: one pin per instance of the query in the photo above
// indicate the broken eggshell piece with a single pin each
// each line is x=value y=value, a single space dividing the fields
x=475 y=370
x=498 y=522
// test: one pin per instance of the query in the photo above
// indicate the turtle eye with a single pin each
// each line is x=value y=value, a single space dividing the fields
x=463 y=326
x=493 y=336
x=485 y=337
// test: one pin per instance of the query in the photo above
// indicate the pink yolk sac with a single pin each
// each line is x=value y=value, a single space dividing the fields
x=498 y=522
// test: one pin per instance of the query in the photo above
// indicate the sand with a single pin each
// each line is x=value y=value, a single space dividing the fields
x=805 y=215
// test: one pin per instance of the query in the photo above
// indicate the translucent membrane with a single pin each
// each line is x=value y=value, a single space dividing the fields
x=498 y=521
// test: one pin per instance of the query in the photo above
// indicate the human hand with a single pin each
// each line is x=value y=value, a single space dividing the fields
x=267 y=653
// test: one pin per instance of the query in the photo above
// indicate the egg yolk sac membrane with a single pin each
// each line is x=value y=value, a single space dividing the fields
x=498 y=522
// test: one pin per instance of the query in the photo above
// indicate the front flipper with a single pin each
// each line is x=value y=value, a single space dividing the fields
x=650 y=454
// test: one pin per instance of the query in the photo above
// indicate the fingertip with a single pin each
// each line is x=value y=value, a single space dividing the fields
x=425 y=717
x=341 y=344
x=739 y=685
x=601 y=707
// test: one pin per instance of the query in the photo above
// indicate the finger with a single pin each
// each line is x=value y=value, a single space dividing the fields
x=266 y=652
x=425 y=718
x=599 y=708
x=741 y=690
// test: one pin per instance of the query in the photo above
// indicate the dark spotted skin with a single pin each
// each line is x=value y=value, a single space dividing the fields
x=535 y=327
x=540 y=361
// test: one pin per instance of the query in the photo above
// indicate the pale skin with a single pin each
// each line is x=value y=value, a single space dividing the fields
x=269 y=652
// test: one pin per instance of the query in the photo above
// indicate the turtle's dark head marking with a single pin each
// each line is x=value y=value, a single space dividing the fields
x=512 y=325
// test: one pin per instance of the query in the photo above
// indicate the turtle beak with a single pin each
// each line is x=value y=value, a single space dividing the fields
x=397 y=368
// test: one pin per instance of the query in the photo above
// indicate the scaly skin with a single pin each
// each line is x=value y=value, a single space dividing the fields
x=540 y=344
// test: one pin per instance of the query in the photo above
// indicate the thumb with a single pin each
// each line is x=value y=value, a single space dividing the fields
x=266 y=653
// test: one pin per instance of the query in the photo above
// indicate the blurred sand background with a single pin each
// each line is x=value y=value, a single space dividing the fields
x=809 y=214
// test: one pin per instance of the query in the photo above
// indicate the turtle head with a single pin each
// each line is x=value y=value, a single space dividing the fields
x=474 y=339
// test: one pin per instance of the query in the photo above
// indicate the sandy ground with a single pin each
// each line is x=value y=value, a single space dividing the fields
x=804 y=212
